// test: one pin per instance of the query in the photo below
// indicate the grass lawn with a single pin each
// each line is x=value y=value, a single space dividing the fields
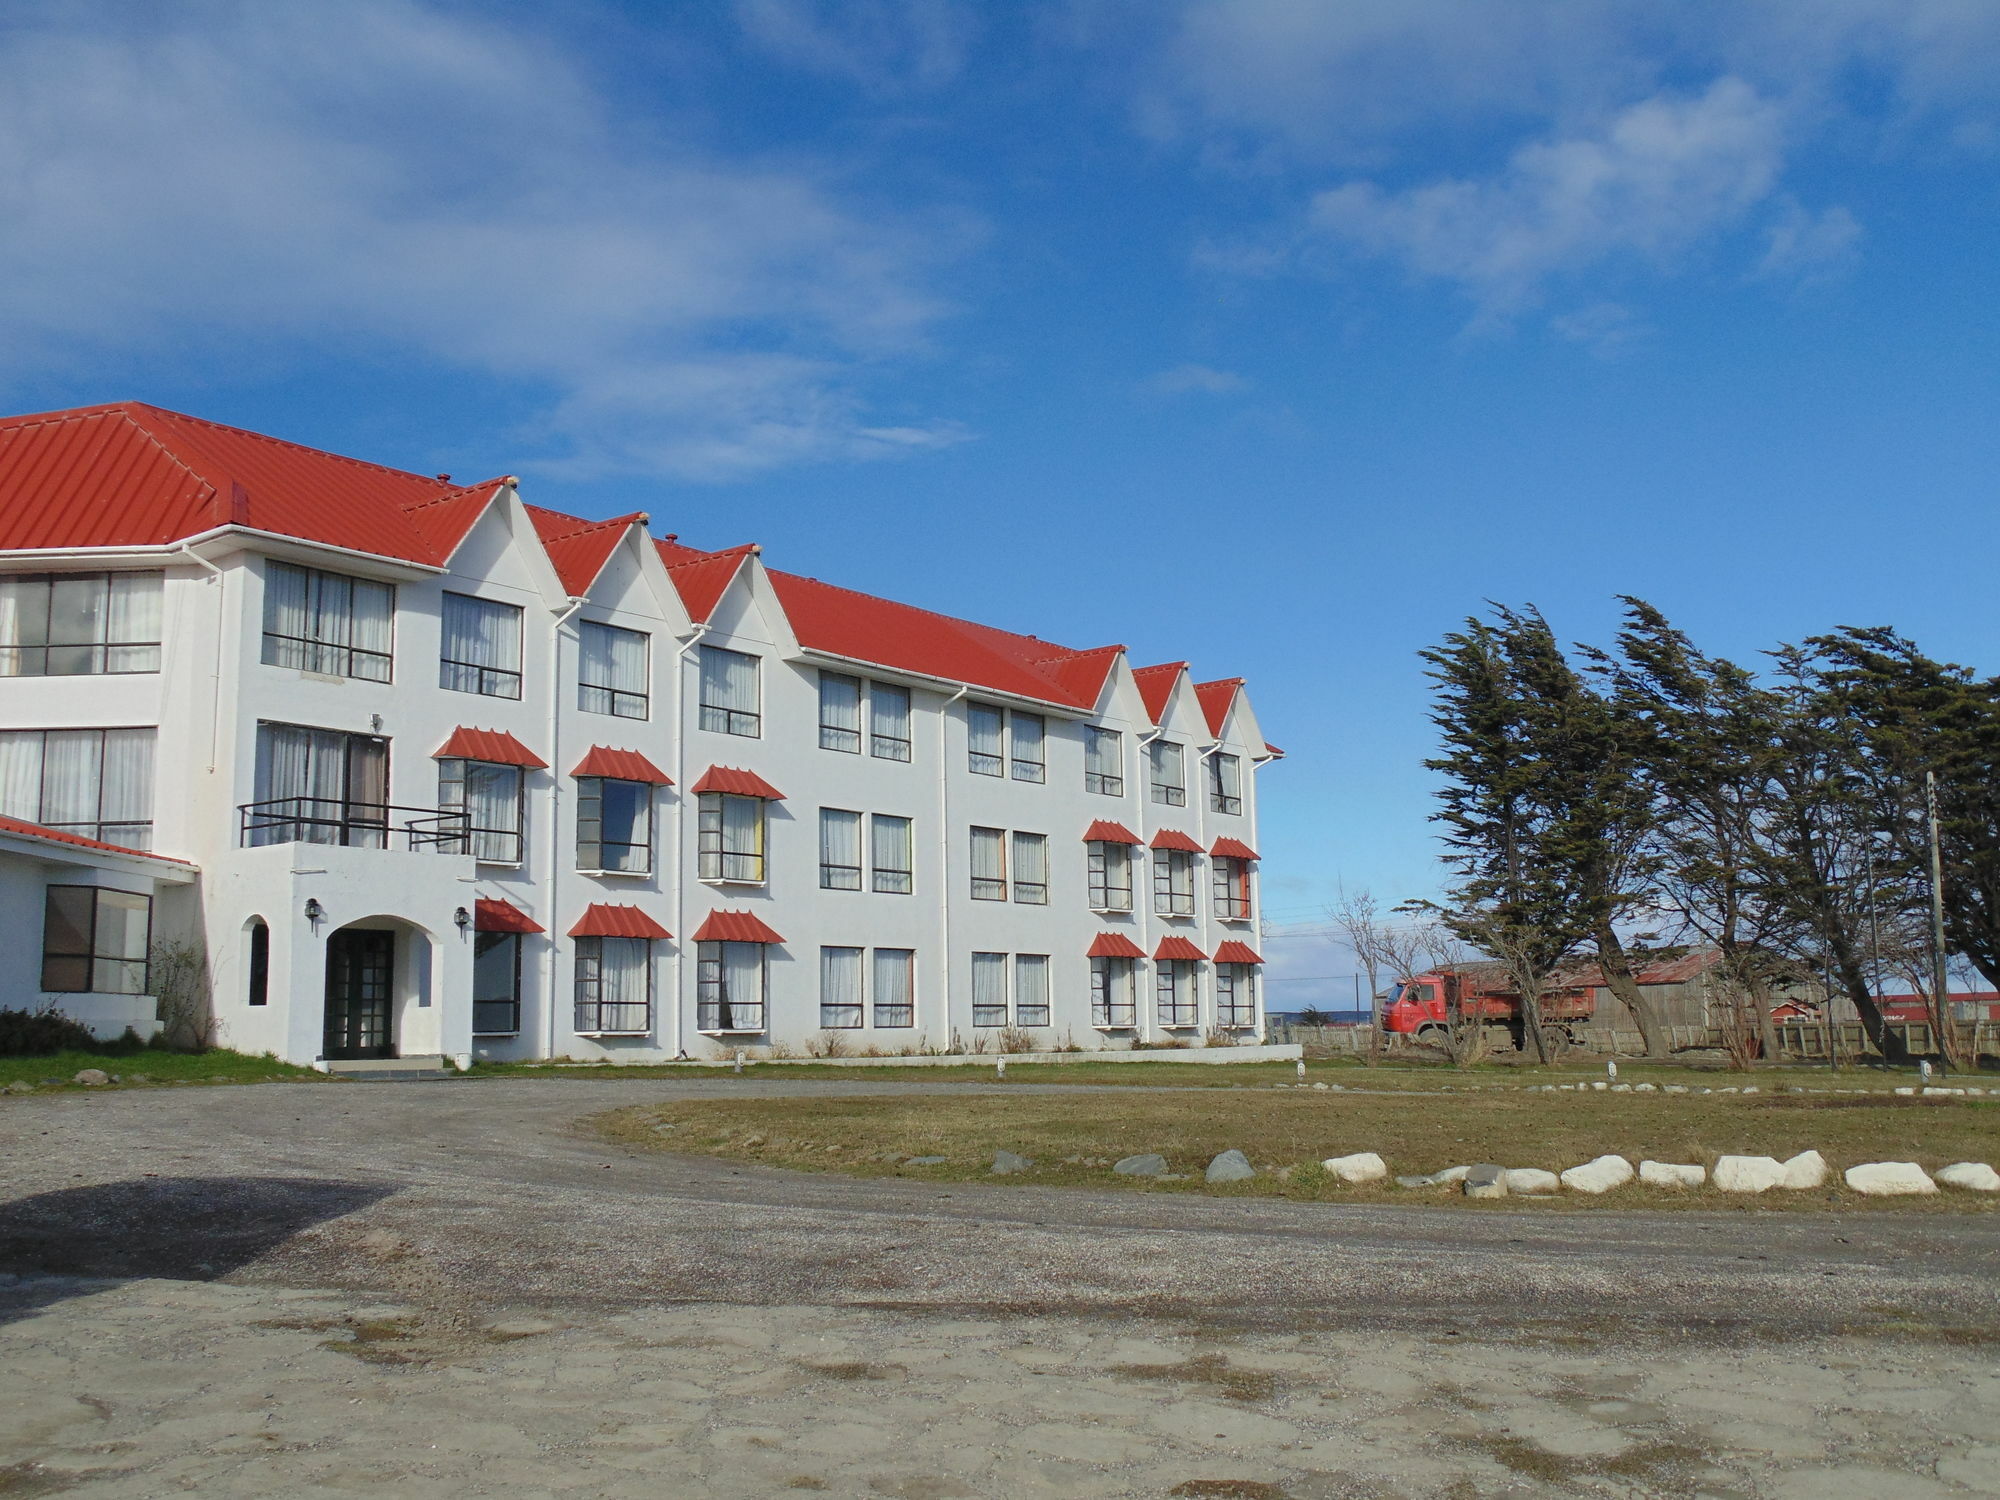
x=151 y=1066
x=1075 y=1138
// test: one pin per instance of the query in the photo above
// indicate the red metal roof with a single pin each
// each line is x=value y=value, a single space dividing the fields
x=492 y=915
x=495 y=746
x=1173 y=838
x=700 y=577
x=1233 y=849
x=620 y=765
x=737 y=783
x=1233 y=952
x=734 y=927
x=1178 y=947
x=1114 y=945
x=1156 y=686
x=1104 y=831
x=578 y=549
x=1215 y=699
x=23 y=829
x=609 y=919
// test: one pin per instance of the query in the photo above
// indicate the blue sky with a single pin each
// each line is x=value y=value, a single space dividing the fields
x=1276 y=336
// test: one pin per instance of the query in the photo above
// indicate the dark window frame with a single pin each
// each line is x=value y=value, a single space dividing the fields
x=503 y=676
x=720 y=718
x=1170 y=899
x=91 y=957
x=588 y=976
x=485 y=942
x=712 y=857
x=617 y=703
x=100 y=651
x=1220 y=799
x=490 y=846
x=589 y=796
x=715 y=1008
x=1108 y=976
x=316 y=652
x=842 y=877
x=1098 y=862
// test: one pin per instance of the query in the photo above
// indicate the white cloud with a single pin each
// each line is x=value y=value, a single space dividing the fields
x=1661 y=175
x=1810 y=246
x=880 y=44
x=384 y=178
x=1183 y=379
x=1604 y=327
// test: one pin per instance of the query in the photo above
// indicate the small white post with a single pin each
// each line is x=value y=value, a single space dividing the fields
x=1612 y=1069
x=1924 y=1070
x=1000 y=1068
x=1302 y=1070
x=739 y=1060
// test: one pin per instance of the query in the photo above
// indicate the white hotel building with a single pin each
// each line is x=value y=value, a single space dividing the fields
x=425 y=770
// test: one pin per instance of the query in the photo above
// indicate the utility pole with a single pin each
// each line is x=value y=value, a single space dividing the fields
x=1940 y=996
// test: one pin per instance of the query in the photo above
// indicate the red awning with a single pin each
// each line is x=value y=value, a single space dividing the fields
x=1233 y=849
x=1169 y=838
x=1178 y=947
x=494 y=746
x=620 y=765
x=737 y=783
x=1233 y=952
x=1104 y=831
x=1114 y=945
x=607 y=919
x=502 y=916
x=734 y=927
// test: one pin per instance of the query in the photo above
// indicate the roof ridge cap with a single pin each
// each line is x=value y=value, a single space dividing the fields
x=1163 y=666
x=746 y=549
x=278 y=442
x=456 y=494
x=935 y=614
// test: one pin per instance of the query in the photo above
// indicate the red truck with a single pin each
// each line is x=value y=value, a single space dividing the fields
x=1419 y=1006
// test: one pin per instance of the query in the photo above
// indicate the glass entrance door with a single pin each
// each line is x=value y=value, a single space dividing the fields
x=360 y=967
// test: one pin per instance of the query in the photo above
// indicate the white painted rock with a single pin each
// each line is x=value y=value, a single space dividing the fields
x=1748 y=1174
x=1806 y=1170
x=1598 y=1176
x=1905 y=1093
x=1362 y=1166
x=1450 y=1175
x=1672 y=1174
x=1976 y=1176
x=1889 y=1179
x=1645 y=1088
x=1531 y=1180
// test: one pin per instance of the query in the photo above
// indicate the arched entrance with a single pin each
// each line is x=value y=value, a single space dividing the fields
x=377 y=971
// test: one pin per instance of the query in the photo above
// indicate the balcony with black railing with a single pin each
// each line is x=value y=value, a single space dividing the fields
x=357 y=825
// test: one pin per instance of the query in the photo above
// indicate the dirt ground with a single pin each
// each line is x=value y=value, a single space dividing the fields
x=462 y=1289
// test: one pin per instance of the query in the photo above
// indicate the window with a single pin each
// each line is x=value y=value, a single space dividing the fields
x=1169 y=780
x=489 y=795
x=96 y=782
x=259 y=988
x=1225 y=783
x=1031 y=869
x=95 y=941
x=985 y=734
x=1031 y=989
x=889 y=852
x=1111 y=993
x=888 y=721
x=1029 y=744
x=839 y=713
x=1174 y=991
x=327 y=622
x=614 y=825
x=732 y=837
x=989 y=989
x=839 y=851
x=320 y=786
x=1104 y=761
x=496 y=985
x=614 y=985
x=79 y=624
x=1232 y=888
x=1173 y=883
x=989 y=864
x=1109 y=867
x=840 y=988
x=480 y=647
x=895 y=987
x=611 y=673
x=729 y=986
x=1236 y=995
x=729 y=692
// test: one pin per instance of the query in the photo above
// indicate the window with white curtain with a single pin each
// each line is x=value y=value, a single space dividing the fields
x=79 y=624
x=731 y=837
x=1110 y=875
x=95 y=941
x=730 y=980
x=989 y=864
x=614 y=825
x=1031 y=868
x=729 y=692
x=888 y=721
x=1235 y=995
x=840 y=988
x=839 y=850
x=479 y=648
x=611 y=674
x=322 y=786
x=614 y=985
x=1225 y=783
x=1112 y=1001
x=1231 y=880
x=1173 y=980
x=895 y=987
x=1173 y=883
x=490 y=797
x=96 y=782
x=1103 y=761
x=1168 y=772
x=328 y=622
x=985 y=737
x=989 y=989
x=1028 y=744
x=840 y=713
x=1031 y=989
x=889 y=855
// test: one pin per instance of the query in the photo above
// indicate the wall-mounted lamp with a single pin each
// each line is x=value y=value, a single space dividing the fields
x=315 y=913
x=463 y=918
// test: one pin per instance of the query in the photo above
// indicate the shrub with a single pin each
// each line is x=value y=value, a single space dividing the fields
x=41 y=1033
